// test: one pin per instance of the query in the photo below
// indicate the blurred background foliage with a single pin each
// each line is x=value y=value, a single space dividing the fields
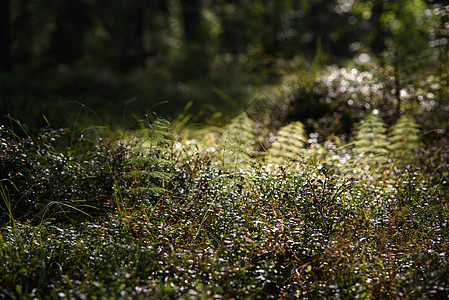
x=113 y=62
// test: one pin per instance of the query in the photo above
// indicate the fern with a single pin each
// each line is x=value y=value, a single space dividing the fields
x=290 y=142
x=236 y=142
x=153 y=159
x=371 y=138
x=404 y=137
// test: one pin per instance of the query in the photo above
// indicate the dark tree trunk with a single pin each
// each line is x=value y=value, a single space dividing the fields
x=68 y=39
x=231 y=36
x=397 y=81
x=272 y=22
x=378 y=44
x=157 y=22
x=159 y=5
x=196 y=59
x=23 y=32
x=132 y=50
x=191 y=12
x=5 y=36
x=318 y=22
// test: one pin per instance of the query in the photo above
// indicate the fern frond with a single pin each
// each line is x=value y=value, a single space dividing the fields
x=236 y=141
x=160 y=135
x=404 y=136
x=371 y=138
x=153 y=159
x=242 y=130
x=152 y=190
x=289 y=142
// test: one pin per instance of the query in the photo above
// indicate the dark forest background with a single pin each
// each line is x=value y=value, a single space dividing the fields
x=120 y=60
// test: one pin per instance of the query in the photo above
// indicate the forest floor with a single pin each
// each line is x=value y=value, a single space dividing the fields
x=257 y=202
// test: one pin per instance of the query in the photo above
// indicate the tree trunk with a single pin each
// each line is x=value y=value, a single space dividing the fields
x=68 y=39
x=191 y=12
x=229 y=39
x=133 y=50
x=196 y=59
x=24 y=33
x=378 y=44
x=5 y=36
x=272 y=25
x=397 y=81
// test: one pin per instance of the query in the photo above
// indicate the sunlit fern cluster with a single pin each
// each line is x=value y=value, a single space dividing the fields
x=233 y=148
x=374 y=141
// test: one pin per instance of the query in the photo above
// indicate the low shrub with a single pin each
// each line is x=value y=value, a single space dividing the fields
x=40 y=182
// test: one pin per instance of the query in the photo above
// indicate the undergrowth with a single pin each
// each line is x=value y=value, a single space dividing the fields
x=225 y=214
